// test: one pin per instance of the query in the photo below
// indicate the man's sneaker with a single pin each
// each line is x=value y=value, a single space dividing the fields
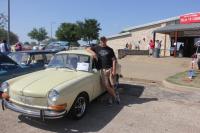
x=117 y=99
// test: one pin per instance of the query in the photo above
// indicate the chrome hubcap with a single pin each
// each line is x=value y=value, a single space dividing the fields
x=80 y=106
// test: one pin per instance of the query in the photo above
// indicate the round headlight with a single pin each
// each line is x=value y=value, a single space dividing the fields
x=53 y=96
x=5 y=87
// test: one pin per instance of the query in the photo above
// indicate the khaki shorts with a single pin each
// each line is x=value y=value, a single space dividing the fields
x=107 y=78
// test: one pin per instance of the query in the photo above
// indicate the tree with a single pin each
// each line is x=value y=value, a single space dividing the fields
x=38 y=34
x=3 y=21
x=89 y=29
x=69 y=32
x=13 y=36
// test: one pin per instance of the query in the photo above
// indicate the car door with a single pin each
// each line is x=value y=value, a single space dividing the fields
x=96 y=80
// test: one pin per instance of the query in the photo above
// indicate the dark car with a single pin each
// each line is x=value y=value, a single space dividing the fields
x=9 y=69
x=20 y=63
x=35 y=60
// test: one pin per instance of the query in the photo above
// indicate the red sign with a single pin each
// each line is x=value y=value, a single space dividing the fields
x=190 y=18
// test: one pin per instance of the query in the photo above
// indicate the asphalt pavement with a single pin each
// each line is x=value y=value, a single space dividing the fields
x=144 y=108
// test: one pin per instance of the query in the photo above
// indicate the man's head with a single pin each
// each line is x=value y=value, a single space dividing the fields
x=103 y=41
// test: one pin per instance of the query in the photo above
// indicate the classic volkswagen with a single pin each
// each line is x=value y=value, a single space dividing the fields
x=68 y=84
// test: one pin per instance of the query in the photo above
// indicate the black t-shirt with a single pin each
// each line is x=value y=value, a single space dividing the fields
x=105 y=56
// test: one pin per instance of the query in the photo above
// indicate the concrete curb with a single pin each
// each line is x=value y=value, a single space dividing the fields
x=179 y=87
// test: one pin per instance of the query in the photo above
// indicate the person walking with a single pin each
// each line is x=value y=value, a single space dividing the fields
x=4 y=47
x=18 y=46
x=107 y=63
x=151 y=47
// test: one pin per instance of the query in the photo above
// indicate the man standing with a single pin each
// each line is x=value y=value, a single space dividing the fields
x=107 y=64
x=4 y=47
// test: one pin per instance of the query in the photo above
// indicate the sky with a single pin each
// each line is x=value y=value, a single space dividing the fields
x=113 y=15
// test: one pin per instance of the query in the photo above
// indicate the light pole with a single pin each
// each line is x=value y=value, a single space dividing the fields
x=8 y=33
x=52 y=30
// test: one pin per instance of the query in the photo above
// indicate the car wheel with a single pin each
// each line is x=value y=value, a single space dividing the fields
x=79 y=107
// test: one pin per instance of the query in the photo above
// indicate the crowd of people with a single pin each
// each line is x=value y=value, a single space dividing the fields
x=5 y=48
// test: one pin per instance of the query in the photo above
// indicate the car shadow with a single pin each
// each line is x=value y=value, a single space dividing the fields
x=99 y=113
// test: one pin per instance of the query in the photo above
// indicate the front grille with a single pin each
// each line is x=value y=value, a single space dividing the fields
x=29 y=101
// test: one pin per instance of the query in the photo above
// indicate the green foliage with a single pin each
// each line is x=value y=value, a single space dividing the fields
x=89 y=29
x=3 y=21
x=72 y=32
x=13 y=36
x=38 y=34
x=69 y=32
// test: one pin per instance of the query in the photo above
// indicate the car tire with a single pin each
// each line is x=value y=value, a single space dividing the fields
x=79 y=107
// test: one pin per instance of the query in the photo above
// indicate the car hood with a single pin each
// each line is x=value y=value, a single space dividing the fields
x=38 y=84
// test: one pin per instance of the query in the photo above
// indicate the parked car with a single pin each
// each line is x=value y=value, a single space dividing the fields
x=58 y=46
x=69 y=83
x=20 y=63
x=8 y=69
x=32 y=59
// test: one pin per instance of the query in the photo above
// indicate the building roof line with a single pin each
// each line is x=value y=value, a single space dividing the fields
x=119 y=35
x=151 y=23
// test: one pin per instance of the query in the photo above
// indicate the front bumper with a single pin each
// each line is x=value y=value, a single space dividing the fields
x=38 y=113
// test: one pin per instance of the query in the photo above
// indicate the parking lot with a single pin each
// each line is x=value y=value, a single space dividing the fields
x=144 y=108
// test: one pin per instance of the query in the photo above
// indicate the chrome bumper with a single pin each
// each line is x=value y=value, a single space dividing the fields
x=38 y=113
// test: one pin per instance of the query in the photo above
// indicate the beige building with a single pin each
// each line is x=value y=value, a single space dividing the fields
x=168 y=31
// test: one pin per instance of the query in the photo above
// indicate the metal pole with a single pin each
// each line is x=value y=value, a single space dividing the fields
x=165 y=45
x=8 y=33
x=51 y=30
x=176 y=36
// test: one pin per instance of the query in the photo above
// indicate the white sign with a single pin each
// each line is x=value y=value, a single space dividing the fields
x=82 y=66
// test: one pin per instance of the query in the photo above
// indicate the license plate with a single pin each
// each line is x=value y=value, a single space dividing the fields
x=25 y=100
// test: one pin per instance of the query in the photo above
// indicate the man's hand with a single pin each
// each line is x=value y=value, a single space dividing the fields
x=95 y=56
x=113 y=72
x=93 y=53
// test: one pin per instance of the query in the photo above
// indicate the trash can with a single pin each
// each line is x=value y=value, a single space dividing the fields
x=156 y=53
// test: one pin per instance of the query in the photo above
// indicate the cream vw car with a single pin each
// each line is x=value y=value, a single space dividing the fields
x=68 y=84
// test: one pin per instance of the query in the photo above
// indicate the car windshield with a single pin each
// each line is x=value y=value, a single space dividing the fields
x=71 y=61
x=20 y=58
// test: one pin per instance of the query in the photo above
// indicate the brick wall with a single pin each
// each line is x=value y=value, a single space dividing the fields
x=144 y=35
x=123 y=52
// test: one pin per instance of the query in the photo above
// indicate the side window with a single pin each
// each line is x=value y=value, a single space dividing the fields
x=37 y=59
x=48 y=57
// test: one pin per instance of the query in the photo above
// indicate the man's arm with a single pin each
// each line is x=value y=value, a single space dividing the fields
x=114 y=66
x=114 y=61
x=89 y=49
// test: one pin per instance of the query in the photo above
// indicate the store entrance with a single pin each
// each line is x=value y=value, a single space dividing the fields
x=188 y=49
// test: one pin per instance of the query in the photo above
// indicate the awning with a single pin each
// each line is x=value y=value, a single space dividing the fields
x=178 y=27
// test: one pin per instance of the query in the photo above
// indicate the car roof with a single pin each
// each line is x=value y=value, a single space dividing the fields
x=36 y=51
x=82 y=52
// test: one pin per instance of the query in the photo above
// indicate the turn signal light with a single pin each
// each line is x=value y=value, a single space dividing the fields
x=5 y=96
x=58 y=107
